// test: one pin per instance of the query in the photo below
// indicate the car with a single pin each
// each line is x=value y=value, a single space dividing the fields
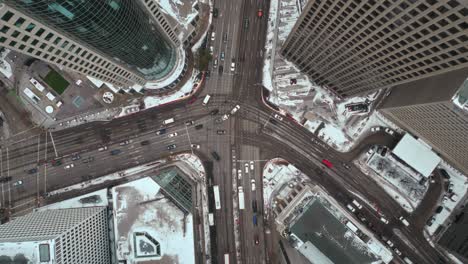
x=351 y=208
x=32 y=171
x=246 y=167
x=239 y=174
x=390 y=243
x=357 y=108
x=233 y=66
x=225 y=38
x=115 y=152
x=389 y=131
x=75 y=157
x=256 y=240
x=5 y=179
x=384 y=152
x=194 y=98
x=56 y=162
x=375 y=129
x=235 y=109
x=225 y=117
x=445 y=199
x=215 y=12
x=273 y=121
x=221 y=69
x=199 y=126
x=384 y=220
x=346 y=166
x=221 y=56
x=215 y=63
x=450 y=188
x=398 y=252
x=195 y=146
x=251 y=165
x=327 y=163
x=173 y=135
x=280 y=118
x=444 y=174
x=88 y=159
x=221 y=132
x=18 y=183
x=439 y=209
x=145 y=142
x=370 y=151
x=171 y=147
x=260 y=13
x=215 y=155
x=211 y=50
x=357 y=204
x=213 y=34
x=430 y=221
x=102 y=148
x=126 y=142
x=253 y=184
x=161 y=131
x=69 y=166
x=189 y=123
x=214 y=112
x=246 y=23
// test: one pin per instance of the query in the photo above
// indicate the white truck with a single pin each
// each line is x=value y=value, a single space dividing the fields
x=241 y=198
x=168 y=121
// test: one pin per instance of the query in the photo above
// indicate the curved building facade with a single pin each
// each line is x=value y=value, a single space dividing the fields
x=119 y=29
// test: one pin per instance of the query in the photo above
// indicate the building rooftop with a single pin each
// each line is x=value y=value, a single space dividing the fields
x=416 y=154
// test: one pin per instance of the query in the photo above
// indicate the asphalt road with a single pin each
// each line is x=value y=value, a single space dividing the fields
x=249 y=136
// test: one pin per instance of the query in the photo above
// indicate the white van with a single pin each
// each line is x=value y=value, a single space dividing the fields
x=168 y=121
x=358 y=205
x=206 y=99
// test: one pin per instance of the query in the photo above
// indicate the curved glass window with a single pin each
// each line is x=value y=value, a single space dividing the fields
x=118 y=28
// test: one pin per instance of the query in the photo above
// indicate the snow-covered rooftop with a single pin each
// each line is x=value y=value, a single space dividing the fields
x=417 y=155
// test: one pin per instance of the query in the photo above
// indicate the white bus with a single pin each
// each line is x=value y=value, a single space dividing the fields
x=206 y=99
x=216 y=197
x=168 y=121
x=226 y=258
x=241 y=198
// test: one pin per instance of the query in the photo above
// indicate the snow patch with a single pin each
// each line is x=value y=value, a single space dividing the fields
x=5 y=66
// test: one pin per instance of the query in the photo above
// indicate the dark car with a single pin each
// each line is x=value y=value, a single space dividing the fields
x=161 y=131
x=32 y=171
x=439 y=209
x=189 y=123
x=56 y=163
x=225 y=38
x=444 y=174
x=5 y=179
x=384 y=151
x=115 y=152
x=246 y=23
x=221 y=132
x=256 y=239
x=199 y=126
x=171 y=147
x=214 y=112
x=215 y=12
x=75 y=157
x=220 y=69
x=145 y=142
x=215 y=155
x=273 y=121
x=88 y=159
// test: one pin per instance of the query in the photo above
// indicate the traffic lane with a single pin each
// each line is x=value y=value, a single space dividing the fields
x=427 y=206
x=379 y=138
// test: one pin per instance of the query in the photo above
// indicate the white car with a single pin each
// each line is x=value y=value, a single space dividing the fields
x=195 y=146
x=213 y=34
x=398 y=252
x=172 y=135
x=225 y=117
x=239 y=174
x=370 y=151
x=280 y=118
x=18 y=183
x=389 y=131
x=235 y=109
x=233 y=66
x=390 y=243
x=69 y=166
x=385 y=221
x=351 y=208
x=375 y=129
x=246 y=168
x=251 y=165
x=253 y=184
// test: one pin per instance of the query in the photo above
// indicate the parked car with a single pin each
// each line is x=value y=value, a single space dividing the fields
x=173 y=135
x=171 y=147
x=430 y=221
x=351 y=208
x=398 y=252
x=375 y=129
x=69 y=166
x=390 y=243
x=389 y=131
x=370 y=151
x=439 y=209
x=221 y=132
x=444 y=174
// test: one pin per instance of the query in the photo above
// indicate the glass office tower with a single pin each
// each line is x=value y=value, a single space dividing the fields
x=119 y=29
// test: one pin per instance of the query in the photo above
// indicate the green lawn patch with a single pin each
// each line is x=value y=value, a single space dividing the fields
x=56 y=81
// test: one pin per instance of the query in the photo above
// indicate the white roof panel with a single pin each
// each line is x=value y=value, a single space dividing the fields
x=417 y=155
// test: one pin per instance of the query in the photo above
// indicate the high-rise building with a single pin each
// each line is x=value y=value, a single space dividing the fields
x=354 y=46
x=434 y=109
x=115 y=41
x=62 y=236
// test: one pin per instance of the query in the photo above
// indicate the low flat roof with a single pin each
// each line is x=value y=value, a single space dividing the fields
x=417 y=155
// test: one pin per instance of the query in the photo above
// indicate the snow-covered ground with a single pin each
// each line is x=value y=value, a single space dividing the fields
x=97 y=198
x=393 y=179
x=142 y=213
x=180 y=10
x=5 y=67
x=294 y=93
x=28 y=249
x=460 y=184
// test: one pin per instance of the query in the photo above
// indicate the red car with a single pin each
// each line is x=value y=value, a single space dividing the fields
x=192 y=100
x=260 y=13
x=327 y=163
